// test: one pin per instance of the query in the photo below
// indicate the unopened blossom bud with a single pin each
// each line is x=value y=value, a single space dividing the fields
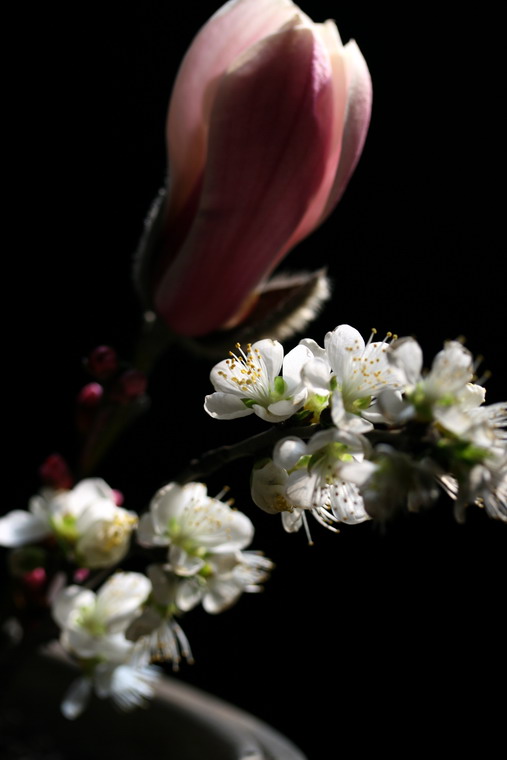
x=102 y=362
x=88 y=402
x=54 y=472
x=266 y=123
x=90 y=396
x=129 y=386
x=36 y=579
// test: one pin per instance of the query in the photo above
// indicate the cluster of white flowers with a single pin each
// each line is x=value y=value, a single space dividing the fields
x=370 y=433
x=85 y=521
x=132 y=620
x=205 y=564
x=385 y=436
x=93 y=631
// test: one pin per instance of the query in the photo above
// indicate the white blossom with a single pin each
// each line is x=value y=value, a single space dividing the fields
x=93 y=624
x=192 y=525
x=429 y=396
x=93 y=631
x=393 y=481
x=128 y=686
x=310 y=477
x=249 y=382
x=222 y=580
x=93 y=531
x=353 y=374
x=156 y=631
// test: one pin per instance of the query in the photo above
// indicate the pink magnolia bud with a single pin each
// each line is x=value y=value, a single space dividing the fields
x=266 y=122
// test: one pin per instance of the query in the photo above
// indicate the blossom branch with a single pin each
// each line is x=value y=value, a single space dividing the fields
x=215 y=459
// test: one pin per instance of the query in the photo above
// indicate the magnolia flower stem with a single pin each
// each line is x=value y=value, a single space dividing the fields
x=215 y=459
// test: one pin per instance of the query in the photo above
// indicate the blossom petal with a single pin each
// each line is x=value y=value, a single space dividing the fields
x=301 y=488
x=294 y=363
x=146 y=534
x=406 y=355
x=221 y=595
x=225 y=406
x=19 y=528
x=258 y=181
x=171 y=501
x=76 y=698
x=119 y=599
x=316 y=375
x=189 y=594
x=292 y=521
x=184 y=563
x=68 y=600
x=342 y=344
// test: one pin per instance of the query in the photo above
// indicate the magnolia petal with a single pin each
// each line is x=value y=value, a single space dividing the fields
x=76 y=698
x=357 y=120
x=19 y=528
x=225 y=406
x=258 y=180
x=314 y=214
x=228 y=33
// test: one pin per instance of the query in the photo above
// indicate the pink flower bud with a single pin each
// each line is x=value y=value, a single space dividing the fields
x=129 y=386
x=54 y=472
x=35 y=579
x=102 y=362
x=267 y=119
x=81 y=575
x=90 y=395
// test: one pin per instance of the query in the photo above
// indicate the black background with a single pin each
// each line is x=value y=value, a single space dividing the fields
x=377 y=637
